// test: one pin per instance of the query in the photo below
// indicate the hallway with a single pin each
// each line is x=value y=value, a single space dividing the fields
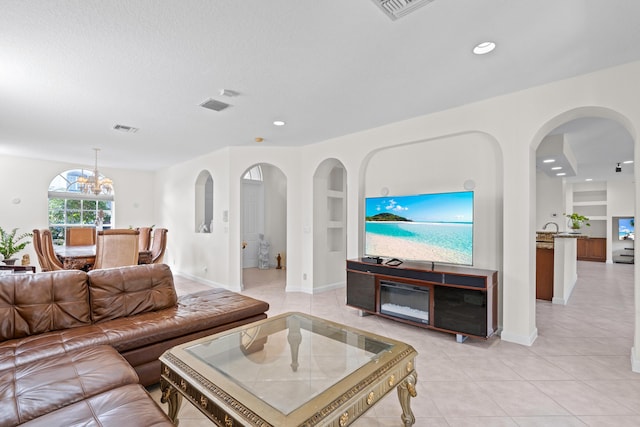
x=577 y=373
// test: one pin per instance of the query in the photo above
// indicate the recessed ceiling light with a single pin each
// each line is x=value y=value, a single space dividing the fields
x=279 y=123
x=227 y=92
x=626 y=162
x=556 y=168
x=588 y=179
x=561 y=174
x=548 y=160
x=484 y=48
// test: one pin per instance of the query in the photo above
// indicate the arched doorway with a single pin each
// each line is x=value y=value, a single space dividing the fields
x=264 y=225
x=600 y=186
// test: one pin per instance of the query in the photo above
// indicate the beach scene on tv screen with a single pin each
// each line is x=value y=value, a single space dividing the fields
x=626 y=229
x=422 y=227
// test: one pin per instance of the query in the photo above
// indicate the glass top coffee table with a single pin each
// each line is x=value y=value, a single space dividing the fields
x=289 y=370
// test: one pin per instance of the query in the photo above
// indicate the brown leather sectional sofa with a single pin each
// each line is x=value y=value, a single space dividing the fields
x=76 y=348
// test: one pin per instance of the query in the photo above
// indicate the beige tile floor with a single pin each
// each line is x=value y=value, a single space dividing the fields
x=577 y=373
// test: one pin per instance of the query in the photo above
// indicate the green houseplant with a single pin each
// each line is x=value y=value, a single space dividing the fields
x=10 y=244
x=576 y=221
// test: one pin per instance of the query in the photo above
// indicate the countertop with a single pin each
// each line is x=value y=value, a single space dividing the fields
x=544 y=239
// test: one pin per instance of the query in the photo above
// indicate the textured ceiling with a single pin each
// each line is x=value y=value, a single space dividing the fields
x=71 y=70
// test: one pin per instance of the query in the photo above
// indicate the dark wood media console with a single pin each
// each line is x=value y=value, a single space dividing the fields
x=458 y=300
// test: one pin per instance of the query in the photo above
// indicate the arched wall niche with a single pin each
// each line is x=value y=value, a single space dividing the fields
x=204 y=202
x=439 y=165
x=329 y=224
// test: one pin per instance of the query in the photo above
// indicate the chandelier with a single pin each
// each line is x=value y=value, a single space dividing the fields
x=94 y=184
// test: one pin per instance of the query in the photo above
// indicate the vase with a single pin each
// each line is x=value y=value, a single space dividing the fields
x=10 y=261
x=574 y=226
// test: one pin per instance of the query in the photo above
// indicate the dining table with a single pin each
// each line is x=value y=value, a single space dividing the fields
x=83 y=257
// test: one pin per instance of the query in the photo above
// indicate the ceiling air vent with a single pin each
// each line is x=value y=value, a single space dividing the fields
x=123 y=128
x=214 y=105
x=395 y=9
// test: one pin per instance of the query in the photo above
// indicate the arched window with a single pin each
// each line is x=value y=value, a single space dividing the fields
x=78 y=199
x=254 y=174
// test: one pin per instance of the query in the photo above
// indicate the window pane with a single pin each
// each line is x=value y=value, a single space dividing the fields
x=104 y=204
x=57 y=234
x=56 y=217
x=73 y=217
x=89 y=217
x=89 y=205
x=56 y=204
x=73 y=204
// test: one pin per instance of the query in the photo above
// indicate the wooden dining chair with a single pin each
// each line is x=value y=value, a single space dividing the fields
x=37 y=245
x=144 y=238
x=158 y=245
x=48 y=252
x=116 y=247
x=80 y=236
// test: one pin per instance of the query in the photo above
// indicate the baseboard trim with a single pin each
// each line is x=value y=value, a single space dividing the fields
x=329 y=287
x=520 y=339
x=204 y=281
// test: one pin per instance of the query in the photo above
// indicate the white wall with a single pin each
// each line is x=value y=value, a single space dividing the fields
x=516 y=122
x=550 y=201
x=275 y=213
x=27 y=180
x=443 y=165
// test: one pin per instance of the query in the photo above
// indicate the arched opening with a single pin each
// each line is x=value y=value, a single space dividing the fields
x=263 y=225
x=329 y=224
x=589 y=171
x=204 y=203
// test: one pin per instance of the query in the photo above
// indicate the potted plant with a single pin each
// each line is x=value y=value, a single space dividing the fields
x=576 y=221
x=11 y=244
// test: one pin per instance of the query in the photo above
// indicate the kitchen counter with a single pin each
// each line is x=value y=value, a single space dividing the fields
x=565 y=262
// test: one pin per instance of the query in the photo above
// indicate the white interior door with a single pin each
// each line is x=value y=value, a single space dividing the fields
x=252 y=221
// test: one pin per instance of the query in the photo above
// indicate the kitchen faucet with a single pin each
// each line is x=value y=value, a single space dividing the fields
x=557 y=228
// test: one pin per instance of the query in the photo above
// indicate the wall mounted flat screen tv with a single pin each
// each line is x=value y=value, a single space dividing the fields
x=434 y=227
x=626 y=229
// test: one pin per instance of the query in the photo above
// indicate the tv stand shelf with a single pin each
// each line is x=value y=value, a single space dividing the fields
x=458 y=300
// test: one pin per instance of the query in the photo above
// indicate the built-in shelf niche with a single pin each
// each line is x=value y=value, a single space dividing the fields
x=590 y=200
x=336 y=211
x=329 y=223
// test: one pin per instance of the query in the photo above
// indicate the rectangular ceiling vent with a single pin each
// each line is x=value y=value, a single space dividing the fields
x=395 y=9
x=214 y=105
x=123 y=128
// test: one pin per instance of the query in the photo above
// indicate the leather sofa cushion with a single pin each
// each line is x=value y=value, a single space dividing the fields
x=127 y=291
x=48 y=384
x=36 y=303
x=128 y=405
x=193 y=313
x=24 y=350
